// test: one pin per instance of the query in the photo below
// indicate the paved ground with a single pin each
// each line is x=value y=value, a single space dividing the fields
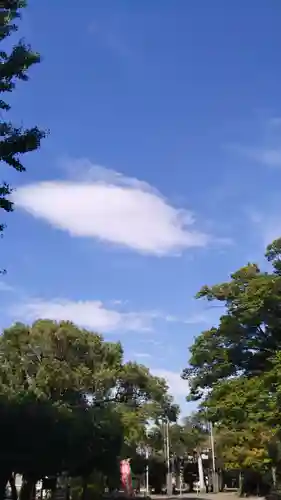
x=204 y=496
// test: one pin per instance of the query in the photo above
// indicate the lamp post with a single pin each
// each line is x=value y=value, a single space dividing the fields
x=146 y=450
x=167 y=439
x=181 y=473
x=215 y=478
x=147 y=471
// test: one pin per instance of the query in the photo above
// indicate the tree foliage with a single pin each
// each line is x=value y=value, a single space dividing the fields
x=68 y=402
x=249 y=333
x=235 y=367
x=14 y=66
x=184 y=438
x=245 y=446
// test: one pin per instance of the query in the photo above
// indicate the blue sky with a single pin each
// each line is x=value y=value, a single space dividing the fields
x=161 y=173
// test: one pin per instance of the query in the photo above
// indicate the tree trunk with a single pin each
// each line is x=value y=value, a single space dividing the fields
x=27 y=488
x=53 y=491
x=273 y=473
x=84 y=487
x=241 y=490
x=215 y=482
x=4 y=477
x=13 y=487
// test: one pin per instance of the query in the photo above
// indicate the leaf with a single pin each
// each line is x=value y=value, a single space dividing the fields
x=14 y=141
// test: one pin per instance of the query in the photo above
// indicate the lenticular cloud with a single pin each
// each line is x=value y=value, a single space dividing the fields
x=115 y=209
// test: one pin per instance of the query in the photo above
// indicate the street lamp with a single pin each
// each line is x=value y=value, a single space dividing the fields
x=147 y=450
x=147 y=471
x=169 y=485
x=215 y=478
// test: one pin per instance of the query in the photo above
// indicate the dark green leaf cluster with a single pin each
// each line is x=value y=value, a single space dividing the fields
x=249 y=332
x=68 y=402
x=14 y=66
x=235 y=367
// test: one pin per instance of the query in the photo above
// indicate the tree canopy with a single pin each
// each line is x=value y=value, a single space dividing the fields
x=68 y=402
x=248 y=335
x=234 y=368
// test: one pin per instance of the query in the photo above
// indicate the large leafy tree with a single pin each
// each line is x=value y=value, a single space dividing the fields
x=246 y=413
x=245 y=446
x=249 y=332
x=68 y=393
x=14 y=66
x=235 y=367
x=40 y=439
x=53 y=381
x=184 y=438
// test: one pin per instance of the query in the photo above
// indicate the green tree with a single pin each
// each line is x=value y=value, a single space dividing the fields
x=247 y=415
x=45 y=440
x=235 y=367
x=244 y=447
x=184 y=438
x=14 y=141
x=67 y=392
x=249 y=332
x=53 y=381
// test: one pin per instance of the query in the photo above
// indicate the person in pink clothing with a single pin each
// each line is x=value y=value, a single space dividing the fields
x=126 y=476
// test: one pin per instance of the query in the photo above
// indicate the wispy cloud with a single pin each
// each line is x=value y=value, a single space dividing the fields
x=144 y=355
x=154 y=342
x=5 y=287
x=90 y=314
x=110 y=207
x=93 y=314
x=268 y=156
x=274 y=122
x=267 y=225
x=110 y=40
x=119 y=302
x=206 y=318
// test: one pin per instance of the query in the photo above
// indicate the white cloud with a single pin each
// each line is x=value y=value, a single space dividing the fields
x=269 y=156
x=275 y=121
x=90 y=314
x=272 y=231
x=118 y=302
x=141 y=355
x=178 y=387
x=198 y=318
x=112 y=208
x=155 y=343
x=268 y=225
x=5 y=287
x=110 y=40
x=209 y=316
